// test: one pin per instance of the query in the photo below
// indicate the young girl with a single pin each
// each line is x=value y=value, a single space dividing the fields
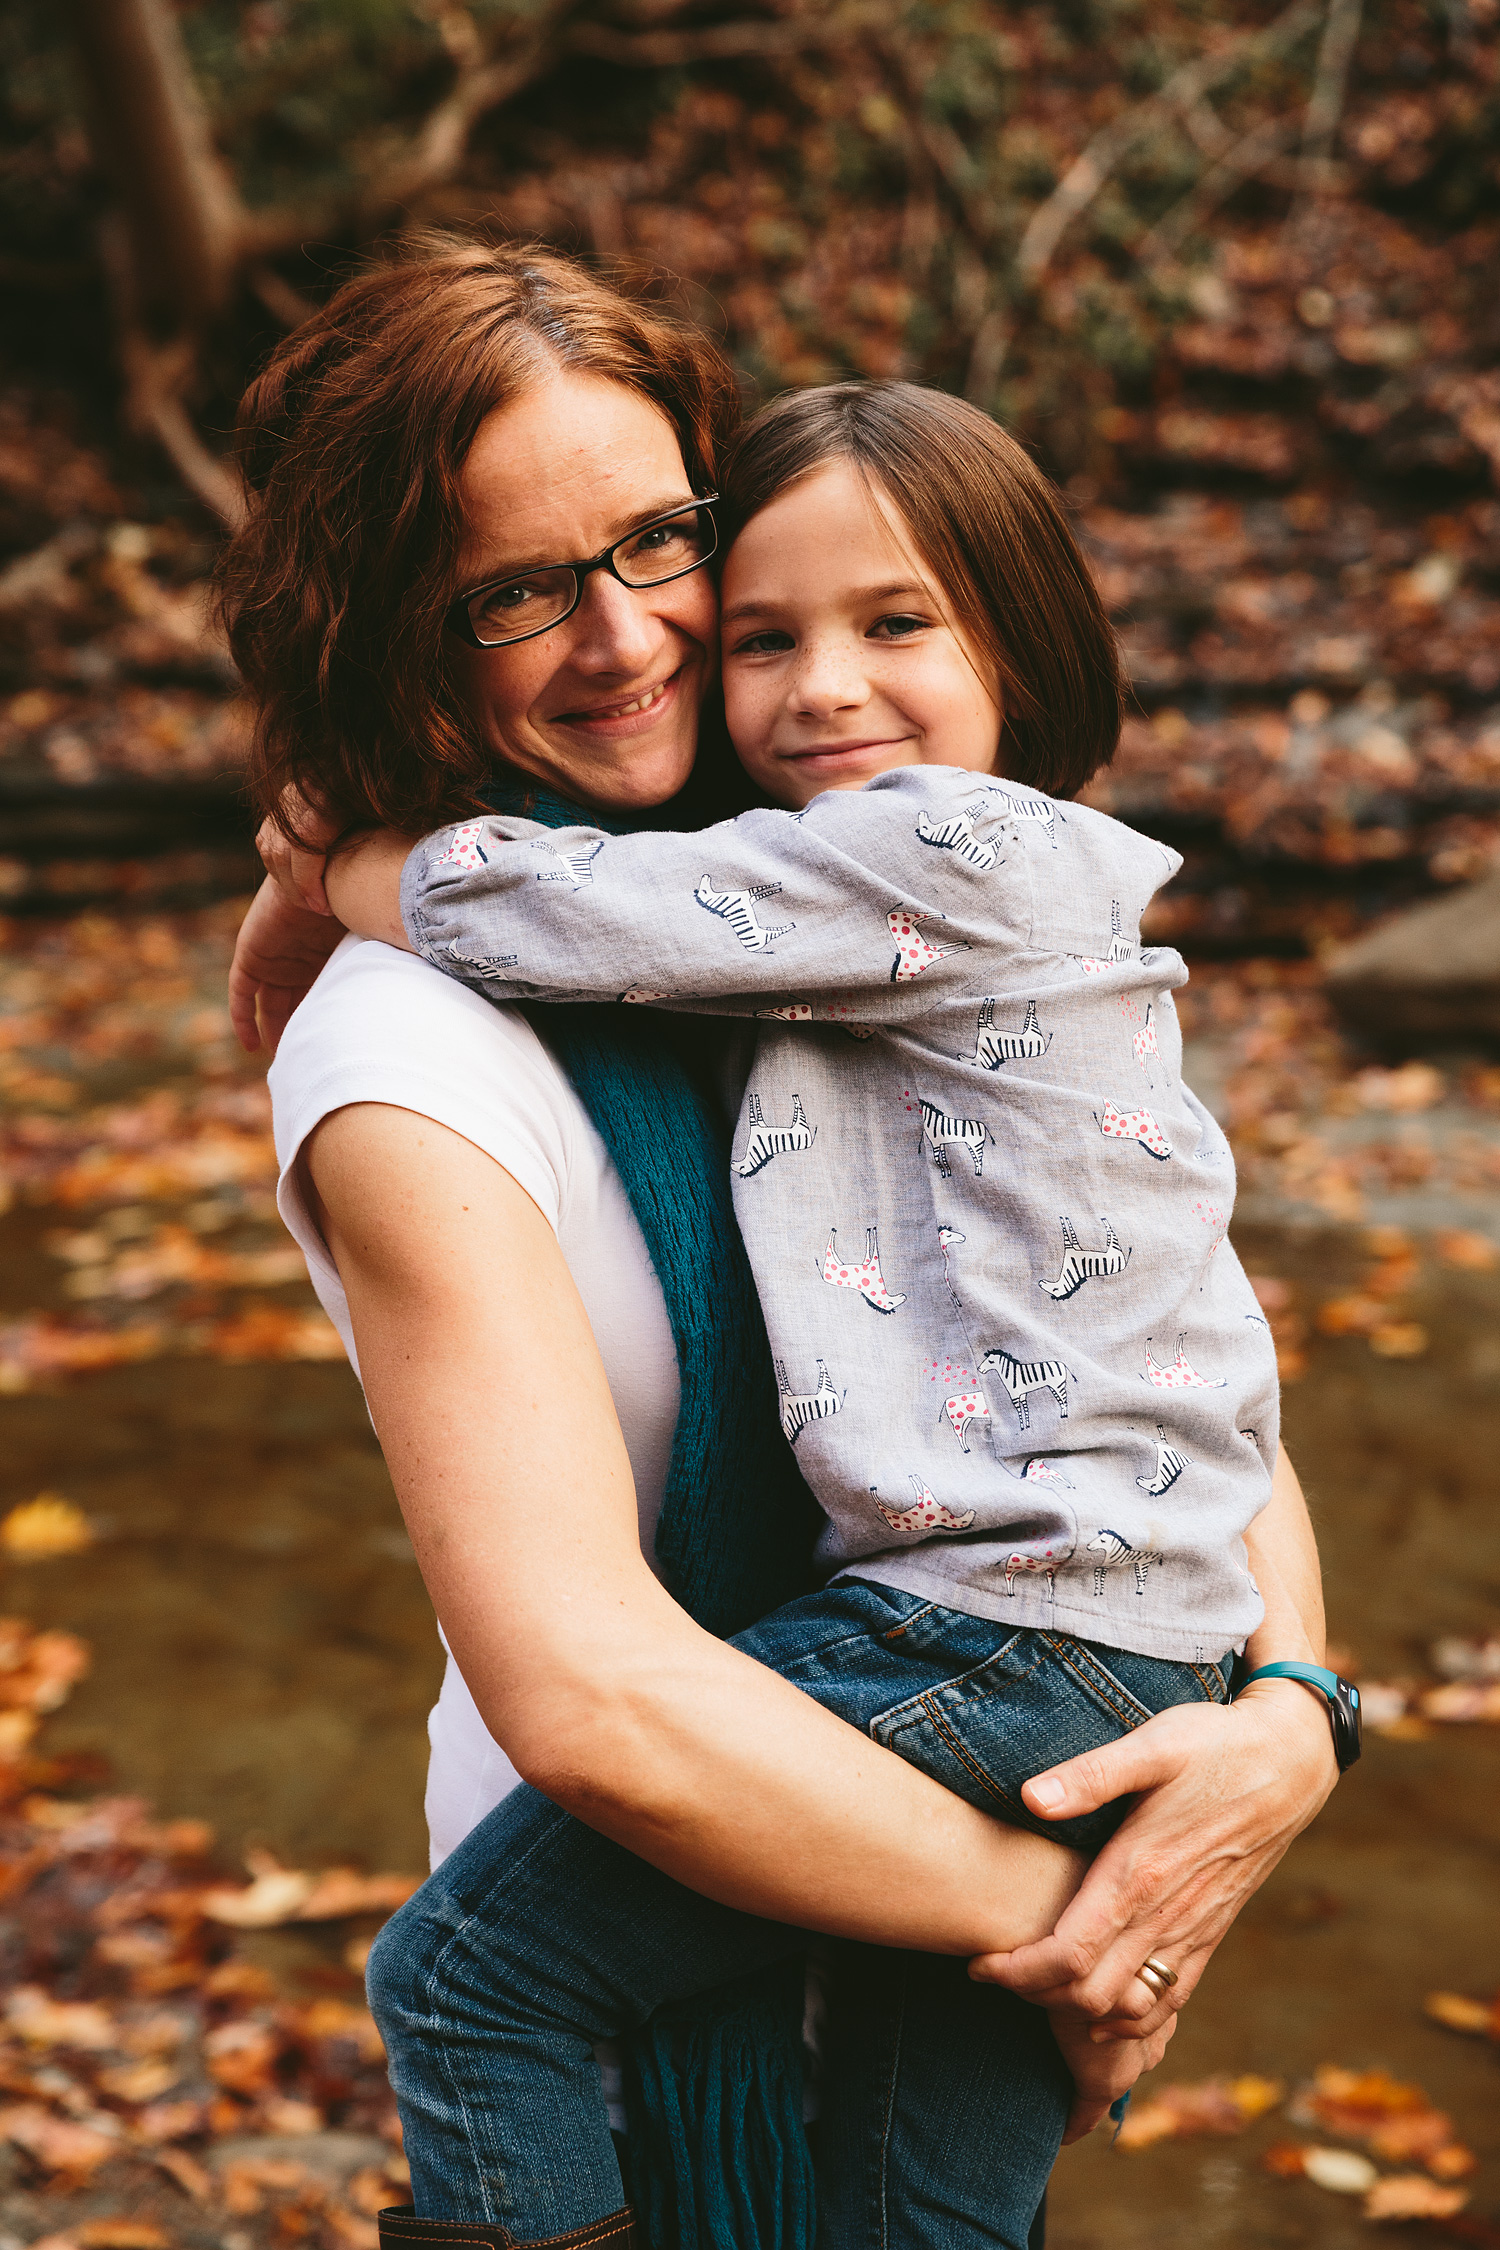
x=1021 y=1367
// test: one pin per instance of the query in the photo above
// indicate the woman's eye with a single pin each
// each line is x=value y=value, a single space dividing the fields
x=763 y=644
x=899 y=628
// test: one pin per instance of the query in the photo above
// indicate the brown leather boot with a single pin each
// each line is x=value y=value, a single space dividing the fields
x=401 y=2229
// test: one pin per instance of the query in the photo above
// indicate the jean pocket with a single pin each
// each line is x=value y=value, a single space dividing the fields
x=1043 y=1698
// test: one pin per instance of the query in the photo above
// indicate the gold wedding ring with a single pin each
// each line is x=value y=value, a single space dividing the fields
x=1157 y=1978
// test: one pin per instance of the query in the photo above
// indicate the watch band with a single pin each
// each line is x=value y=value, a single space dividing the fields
x=1342 y=1697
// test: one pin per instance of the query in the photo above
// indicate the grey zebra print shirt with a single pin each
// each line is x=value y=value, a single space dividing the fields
x=1021 y=1366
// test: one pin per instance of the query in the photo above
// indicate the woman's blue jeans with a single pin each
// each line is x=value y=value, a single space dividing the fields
x=944 y=2103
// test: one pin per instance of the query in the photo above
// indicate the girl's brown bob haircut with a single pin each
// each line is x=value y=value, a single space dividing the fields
x=991 y=530
x=352 y=441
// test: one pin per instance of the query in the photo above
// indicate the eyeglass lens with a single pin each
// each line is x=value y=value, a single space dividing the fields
x=521 y=606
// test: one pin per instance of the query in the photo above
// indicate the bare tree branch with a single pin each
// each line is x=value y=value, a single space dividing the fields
x=940 y=144
x=1250 y=154
x=281 y=300
x=201 y=471
x=1187 y=86
x=182 y=212
x=987 y=357
x=1330 y=79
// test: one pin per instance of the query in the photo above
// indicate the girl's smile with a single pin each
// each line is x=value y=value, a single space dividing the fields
x=840 y=658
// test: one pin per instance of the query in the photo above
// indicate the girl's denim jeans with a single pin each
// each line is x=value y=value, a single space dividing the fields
x=945 y=2101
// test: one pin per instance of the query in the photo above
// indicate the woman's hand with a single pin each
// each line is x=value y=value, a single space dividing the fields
x=1101 y=2072
x=1226 y=1789
x=297 y=869
x=277 y=957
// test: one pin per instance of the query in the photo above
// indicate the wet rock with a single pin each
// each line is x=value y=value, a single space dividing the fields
x=1428 y=978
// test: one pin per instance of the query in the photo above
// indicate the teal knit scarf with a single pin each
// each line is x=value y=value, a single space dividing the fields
x=718 y=2155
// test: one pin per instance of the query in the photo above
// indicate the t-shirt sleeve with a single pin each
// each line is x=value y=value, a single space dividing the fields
x=379 y=1026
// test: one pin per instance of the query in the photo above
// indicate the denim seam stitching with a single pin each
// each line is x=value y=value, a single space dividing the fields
x=966 y=1760
x=1102 y=1684
x=906 y=1624
x=894 y=1713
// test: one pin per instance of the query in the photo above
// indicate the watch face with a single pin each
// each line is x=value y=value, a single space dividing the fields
x=1344 y=1711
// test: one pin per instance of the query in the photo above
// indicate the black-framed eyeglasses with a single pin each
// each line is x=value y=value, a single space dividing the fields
x=503 y=610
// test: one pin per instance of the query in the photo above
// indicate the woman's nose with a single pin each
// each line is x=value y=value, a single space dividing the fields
x=616 y=629
x=827 y=680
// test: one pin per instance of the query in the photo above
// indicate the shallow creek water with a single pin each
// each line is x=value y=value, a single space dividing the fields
x=264 y=1656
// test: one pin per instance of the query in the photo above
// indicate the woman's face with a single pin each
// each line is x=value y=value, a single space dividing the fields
x=604 y=706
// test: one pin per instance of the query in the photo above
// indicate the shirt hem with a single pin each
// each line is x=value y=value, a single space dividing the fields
x=1029 y=1611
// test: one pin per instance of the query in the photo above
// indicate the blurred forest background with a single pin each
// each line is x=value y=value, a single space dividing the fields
x=1234 y=275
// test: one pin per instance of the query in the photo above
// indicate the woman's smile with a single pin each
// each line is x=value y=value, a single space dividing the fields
x=629 y=716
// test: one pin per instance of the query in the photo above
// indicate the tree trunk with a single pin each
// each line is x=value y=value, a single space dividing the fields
x=182 y=218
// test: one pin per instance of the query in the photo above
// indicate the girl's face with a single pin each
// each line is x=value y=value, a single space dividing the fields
x=604 y=707
x=841 y=658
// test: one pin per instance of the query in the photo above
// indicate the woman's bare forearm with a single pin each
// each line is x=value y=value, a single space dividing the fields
x=605 y=1694
x=1283 y=1557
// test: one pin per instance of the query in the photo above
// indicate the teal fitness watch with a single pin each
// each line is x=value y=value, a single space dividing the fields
x=1342 y=1697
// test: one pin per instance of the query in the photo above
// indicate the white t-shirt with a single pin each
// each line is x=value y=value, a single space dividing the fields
x=381 y=1026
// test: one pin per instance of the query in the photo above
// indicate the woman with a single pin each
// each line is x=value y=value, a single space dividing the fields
x=470 y=416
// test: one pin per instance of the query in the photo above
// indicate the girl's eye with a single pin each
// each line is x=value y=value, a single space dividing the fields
x=899 y=628
x=764 y=644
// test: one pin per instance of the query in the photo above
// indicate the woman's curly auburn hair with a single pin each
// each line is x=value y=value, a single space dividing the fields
x=351 y=441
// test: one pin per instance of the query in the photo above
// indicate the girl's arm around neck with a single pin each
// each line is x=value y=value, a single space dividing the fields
x=720 y=921
x=498 y=1426
x=363 y=885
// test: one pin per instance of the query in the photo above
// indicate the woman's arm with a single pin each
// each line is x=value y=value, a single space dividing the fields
x=491 y=1404
x=1225 y=1792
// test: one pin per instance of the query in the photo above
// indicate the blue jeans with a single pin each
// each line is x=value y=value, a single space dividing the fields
x=945 y=2102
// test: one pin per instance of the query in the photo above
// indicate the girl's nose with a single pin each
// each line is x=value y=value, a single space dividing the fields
x=828 y=680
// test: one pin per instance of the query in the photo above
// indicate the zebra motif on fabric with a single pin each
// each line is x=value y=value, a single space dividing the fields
x=945 y=1132
x=956 y=834
x=767 y=1141
x=992 y=1047
x=1170 y=1464
x=1080 y=1265
x=798 y=1408
x=737 y=908
x=1023 y=1376
x=1121 y=948
x=1041 y=810
x=866 y=1277
x=493 y=965
x=1115 y=1553
x=925 y=1514
x=576 y=867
